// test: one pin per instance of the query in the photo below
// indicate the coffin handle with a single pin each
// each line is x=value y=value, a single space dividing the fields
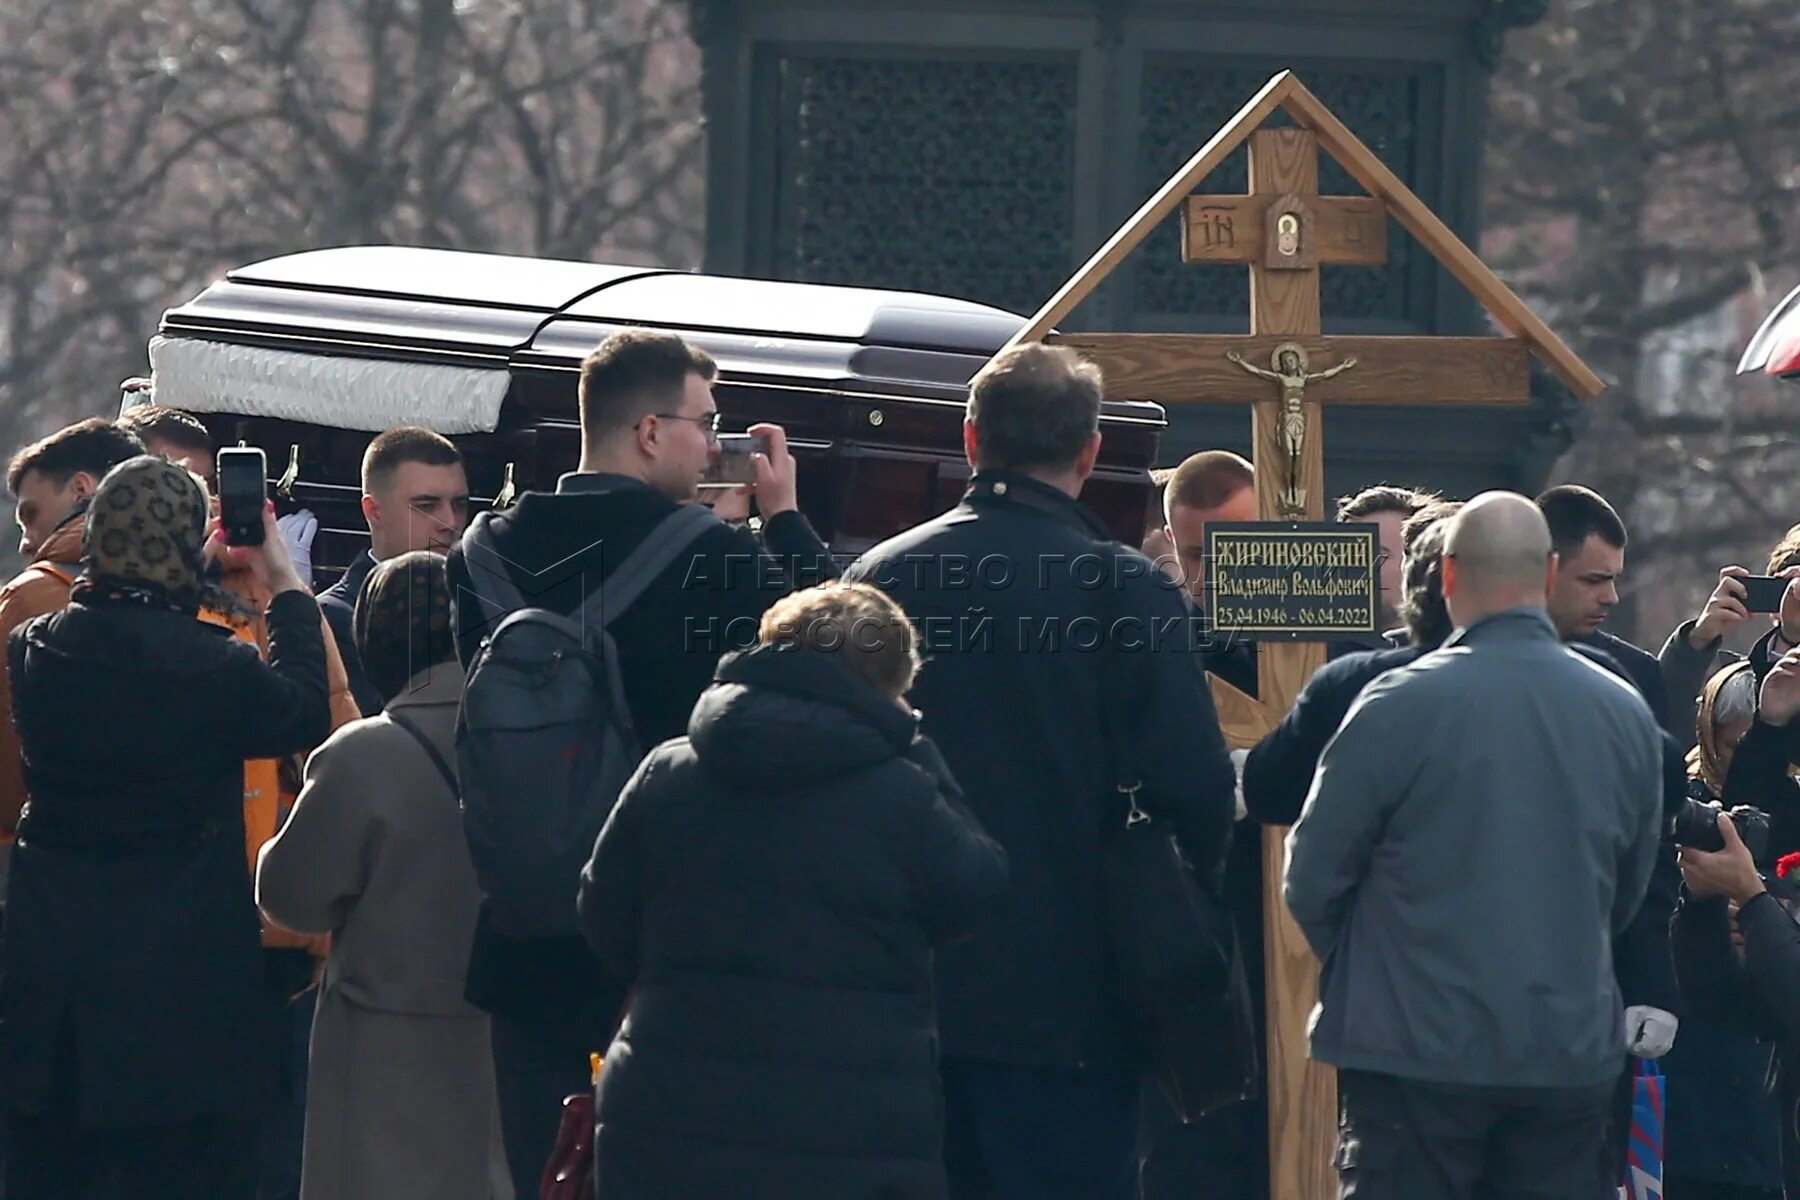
x=285 y=485
x=508 y=490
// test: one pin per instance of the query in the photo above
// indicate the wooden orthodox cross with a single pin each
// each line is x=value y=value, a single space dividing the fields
x=1283 y=230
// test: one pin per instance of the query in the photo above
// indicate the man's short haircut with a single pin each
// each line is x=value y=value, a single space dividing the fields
x=1207 y=480
x=158 y=422
x=1034 y=407
x=634 y=373
x=1424 y=519
x=95 y=446
x=1384 y=498
x=1786 y=552
x=861 y=624
x=408 y=443
x=1422 y=608
x=1574 y=513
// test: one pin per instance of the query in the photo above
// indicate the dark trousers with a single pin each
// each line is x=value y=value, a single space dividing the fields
x=1024 y=1133
x=1225 y=1154
x=1221 y=1156
x=1677 y=1188
x=1406 y=1140
x=283 y=1130
x=533 y=1075
x=49 y=1157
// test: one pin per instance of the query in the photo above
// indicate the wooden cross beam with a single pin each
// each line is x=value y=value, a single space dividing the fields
x=1283 y=230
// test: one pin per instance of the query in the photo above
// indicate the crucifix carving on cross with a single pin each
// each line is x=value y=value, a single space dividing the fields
x=1290 y=371
x=1283 y=230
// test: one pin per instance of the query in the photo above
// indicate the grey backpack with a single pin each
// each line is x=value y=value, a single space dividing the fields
x=544 y=742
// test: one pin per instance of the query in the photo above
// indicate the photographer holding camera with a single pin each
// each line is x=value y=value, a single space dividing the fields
x=1737 y=954
x=1750 y=986
x=1723 y=1129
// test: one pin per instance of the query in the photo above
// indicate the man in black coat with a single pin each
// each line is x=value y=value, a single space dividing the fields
x=648 y=431
x=415 y=497
x=1057 y=661
x=1590 y=544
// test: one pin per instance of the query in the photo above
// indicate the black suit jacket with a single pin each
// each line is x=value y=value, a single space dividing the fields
x=1642 y=960
x=1640 y=667
x=338 y=602
x=1279 y=771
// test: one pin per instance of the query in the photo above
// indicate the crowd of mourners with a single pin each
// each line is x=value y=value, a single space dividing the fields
x=845 y=932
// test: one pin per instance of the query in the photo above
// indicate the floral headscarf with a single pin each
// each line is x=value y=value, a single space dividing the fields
x=145 y=532
x=402 y=620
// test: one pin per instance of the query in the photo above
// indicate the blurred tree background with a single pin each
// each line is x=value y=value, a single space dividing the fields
x=1641 y=188
x=151 y=145
x=1643 y=192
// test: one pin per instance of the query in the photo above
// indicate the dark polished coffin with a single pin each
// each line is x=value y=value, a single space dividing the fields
x=309 y=355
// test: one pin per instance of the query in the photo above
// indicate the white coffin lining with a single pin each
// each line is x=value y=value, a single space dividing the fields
x=322 y=389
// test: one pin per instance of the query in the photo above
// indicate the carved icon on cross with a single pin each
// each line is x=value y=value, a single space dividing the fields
x=1290 y=371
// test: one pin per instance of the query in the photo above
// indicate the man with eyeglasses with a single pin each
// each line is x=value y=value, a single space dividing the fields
x=649 y=428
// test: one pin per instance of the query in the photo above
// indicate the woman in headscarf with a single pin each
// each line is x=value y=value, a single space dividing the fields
x=400 y=1103
x=1727 y=706
x=131 y=1009
x=1724 y=1129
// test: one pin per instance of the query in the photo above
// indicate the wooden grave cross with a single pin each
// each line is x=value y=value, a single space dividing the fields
x=1284 y=231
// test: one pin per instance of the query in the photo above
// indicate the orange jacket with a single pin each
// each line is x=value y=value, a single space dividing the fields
x=267 y=797
x=42 y=587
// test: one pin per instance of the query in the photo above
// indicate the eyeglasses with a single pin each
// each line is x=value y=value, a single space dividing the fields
x=708 y=422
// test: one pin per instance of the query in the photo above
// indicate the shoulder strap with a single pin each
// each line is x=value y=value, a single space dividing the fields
x=430 y=748
x=651 y=557
x=487 y=570
x=1114 y=726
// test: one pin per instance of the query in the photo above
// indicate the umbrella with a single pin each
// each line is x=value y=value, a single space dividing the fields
x=1775 y=348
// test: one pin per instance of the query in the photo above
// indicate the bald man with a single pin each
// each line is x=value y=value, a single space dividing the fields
x=1481 y=827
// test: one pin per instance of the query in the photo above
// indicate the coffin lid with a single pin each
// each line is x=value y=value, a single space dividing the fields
x=499 y=312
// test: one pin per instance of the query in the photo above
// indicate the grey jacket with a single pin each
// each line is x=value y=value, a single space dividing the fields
x=1481 y=826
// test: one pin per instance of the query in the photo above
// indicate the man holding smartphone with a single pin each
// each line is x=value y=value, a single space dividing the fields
x=1696 y=649
x=648 y=427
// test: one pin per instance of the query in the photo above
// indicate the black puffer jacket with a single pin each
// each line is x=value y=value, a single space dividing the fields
x=773 y=885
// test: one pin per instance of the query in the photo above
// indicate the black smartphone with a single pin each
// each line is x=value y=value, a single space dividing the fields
x=732 y=467
x=1762 y=593
x=243 y=494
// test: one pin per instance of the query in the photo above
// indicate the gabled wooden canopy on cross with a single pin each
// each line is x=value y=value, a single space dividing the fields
x=1283 y=230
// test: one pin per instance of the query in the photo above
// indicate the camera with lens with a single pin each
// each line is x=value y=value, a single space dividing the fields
x=1696 y=824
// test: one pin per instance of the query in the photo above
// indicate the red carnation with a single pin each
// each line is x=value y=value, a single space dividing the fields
x=1786 y=863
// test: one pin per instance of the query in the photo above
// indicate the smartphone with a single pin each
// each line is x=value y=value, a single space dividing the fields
x=1762 y=593
x=243 y=473
x=732 y=467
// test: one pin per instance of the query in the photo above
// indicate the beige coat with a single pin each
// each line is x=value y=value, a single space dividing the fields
x=401 y=1096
